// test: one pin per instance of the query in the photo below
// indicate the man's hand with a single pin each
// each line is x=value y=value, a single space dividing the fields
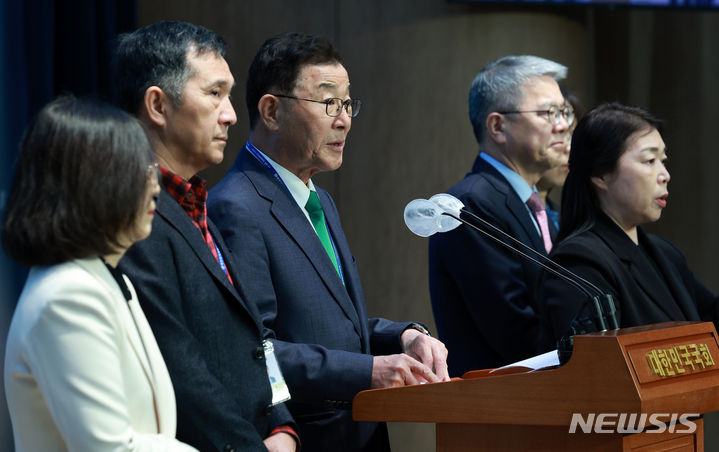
x=427 y=350
x=389 y=371
x=280 y=442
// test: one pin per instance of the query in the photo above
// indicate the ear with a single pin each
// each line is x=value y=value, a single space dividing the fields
x=496 y=128
x=599 y=182
x=156 y=105
x=270 y=110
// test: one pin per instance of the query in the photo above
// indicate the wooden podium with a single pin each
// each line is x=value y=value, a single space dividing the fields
x=661 y=370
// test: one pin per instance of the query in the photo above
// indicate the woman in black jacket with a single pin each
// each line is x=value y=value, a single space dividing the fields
x=617 y=182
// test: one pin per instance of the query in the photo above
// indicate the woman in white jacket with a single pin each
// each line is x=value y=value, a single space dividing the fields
x=82 y=368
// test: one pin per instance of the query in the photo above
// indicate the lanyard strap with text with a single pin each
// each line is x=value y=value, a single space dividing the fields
x=258 y=155
x=220 y=258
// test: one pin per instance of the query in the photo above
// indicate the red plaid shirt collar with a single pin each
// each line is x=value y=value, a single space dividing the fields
x=191 y=195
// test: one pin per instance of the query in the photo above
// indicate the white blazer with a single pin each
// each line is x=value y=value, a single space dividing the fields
x=82 y=368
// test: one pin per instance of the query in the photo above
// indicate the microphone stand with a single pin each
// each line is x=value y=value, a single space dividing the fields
x=586 y=320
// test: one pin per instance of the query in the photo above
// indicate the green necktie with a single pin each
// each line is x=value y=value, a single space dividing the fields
x=314 y=208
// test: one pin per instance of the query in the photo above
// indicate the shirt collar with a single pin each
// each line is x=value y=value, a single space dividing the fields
x=179 y=187
x=519 y=185
x=299 y=191
x=191 y=195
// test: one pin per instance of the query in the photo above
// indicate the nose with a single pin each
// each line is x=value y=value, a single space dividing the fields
x=343 y=121
x=228 y=116
x=562 y=126
x=664 y=176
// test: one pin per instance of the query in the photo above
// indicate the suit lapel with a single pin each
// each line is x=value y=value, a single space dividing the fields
x=230 y=265
x=522 y=215
x=352 y=285
x=512 y=202
x=639 y=267
x=172 y=212
x=133 y=332
x=159 y=377
x=683 y=300
x=294 y=222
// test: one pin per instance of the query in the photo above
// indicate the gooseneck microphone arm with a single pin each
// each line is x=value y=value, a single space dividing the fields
x=443 y=212
x=550 y=269
x=579 y=325
x=597 y=290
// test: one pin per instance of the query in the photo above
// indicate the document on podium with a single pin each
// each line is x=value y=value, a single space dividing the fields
x=549 y=359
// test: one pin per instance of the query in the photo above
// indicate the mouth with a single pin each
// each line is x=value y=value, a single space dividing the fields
x=336 y=146
x=223 y=139
x=662 y=200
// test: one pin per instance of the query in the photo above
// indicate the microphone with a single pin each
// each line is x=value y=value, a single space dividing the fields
x=443 y=212
x=425 y=217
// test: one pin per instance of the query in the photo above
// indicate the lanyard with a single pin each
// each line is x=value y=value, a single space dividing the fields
x=220 y=259
x=258 y=155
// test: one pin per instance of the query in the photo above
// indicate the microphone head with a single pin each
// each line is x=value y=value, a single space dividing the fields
x=423 y=217
x=449 y=204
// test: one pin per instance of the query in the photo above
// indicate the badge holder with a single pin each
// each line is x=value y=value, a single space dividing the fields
x=280 y=391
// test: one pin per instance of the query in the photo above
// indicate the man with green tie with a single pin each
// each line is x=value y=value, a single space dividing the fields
x=287 y=241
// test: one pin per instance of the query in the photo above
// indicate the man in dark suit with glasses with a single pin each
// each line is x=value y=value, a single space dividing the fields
x=286 y=238
x=482 y=294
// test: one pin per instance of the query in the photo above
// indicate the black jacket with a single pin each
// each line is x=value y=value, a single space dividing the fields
x=650 y=286
x=209 y=337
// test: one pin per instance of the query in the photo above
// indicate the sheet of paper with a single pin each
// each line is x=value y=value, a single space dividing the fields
x=535 y=362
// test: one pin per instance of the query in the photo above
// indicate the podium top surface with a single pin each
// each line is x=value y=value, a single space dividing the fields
x=661 y=368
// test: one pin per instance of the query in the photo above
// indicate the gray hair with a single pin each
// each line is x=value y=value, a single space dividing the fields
x=498 y=86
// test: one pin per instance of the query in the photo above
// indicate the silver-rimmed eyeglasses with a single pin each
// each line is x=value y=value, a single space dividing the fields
x=553 y=113
x=333 y=106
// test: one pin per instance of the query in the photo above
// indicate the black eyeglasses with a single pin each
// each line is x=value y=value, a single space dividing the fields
x=553 y=113
x=333 y=106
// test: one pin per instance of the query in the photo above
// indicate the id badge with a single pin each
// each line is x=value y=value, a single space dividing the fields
x=280 y=391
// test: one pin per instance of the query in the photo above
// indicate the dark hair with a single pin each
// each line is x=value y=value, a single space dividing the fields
x=598 y=142
x=156 y=55
x=278 y=63
x=80 y=180
x=572 y=100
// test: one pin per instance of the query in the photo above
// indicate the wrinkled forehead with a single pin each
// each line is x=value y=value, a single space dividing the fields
x=316 y=78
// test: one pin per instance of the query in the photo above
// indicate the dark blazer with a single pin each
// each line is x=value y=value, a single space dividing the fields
x=645 y=291
x=326 y=341
x=482 y=294
x=209 y=336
